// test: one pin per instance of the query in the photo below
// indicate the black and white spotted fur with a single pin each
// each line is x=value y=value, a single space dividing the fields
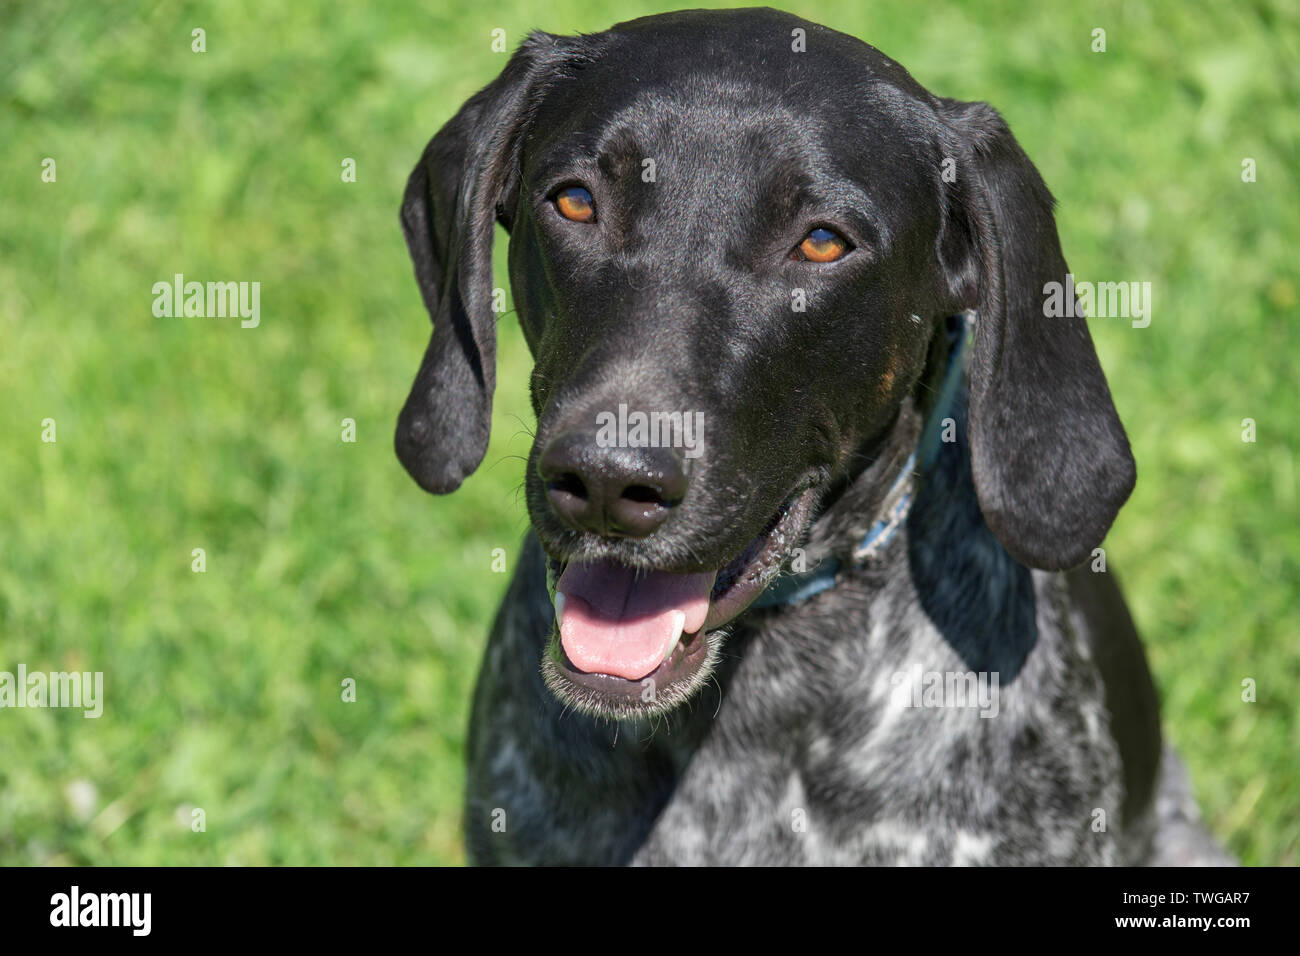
x=796 y=756
x=797 y=750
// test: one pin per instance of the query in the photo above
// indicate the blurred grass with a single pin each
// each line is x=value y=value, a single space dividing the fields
x=325 y=562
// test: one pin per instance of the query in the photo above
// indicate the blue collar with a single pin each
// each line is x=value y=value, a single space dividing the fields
x=798 y=587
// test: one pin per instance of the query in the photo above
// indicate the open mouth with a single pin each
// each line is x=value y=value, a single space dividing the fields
x=630 y=642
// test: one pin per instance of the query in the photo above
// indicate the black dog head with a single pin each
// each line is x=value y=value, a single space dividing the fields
x=709 y=222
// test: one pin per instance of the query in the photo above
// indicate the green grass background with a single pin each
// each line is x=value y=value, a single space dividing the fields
x=324 y=561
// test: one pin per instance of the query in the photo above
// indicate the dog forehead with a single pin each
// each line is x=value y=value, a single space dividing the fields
x=612 y=107
x=702 y=113
x=715 y=134
x=672 y=65
x=720 y=72
x=776 y=41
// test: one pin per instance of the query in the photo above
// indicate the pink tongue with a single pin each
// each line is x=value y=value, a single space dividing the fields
x=622 y=622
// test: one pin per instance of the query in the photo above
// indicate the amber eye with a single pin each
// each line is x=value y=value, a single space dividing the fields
x=575 y=203
x=822 y=245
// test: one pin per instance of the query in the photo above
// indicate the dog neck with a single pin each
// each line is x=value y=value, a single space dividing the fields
x=857 y=524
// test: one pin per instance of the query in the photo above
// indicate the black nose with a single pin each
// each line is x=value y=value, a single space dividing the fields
x=617 y=492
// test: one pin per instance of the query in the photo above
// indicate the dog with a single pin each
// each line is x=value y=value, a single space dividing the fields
x=859 y=615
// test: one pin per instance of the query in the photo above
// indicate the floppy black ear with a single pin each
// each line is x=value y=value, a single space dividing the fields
x=458 y=190
x=1050 y=459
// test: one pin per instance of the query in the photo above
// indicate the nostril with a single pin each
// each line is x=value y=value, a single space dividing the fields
x=569 y=483
x=643 y=494
x=612 y=491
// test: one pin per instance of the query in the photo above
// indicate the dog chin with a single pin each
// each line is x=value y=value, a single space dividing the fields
x=691 y=649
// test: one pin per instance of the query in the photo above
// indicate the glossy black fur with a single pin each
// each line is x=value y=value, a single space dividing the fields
x=679 y=297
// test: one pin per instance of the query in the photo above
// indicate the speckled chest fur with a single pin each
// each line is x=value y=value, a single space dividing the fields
x=803 y=750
